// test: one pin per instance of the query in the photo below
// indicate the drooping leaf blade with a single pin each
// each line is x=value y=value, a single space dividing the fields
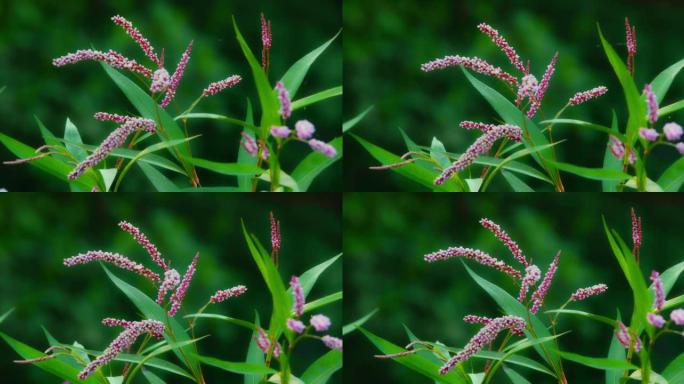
x=294 y=76
x=313 y=164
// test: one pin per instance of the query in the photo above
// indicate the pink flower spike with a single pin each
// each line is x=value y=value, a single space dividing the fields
x=176 y=77
x=135 y=34
x=539 y=295
x=298 y=293
x=485 y=336
x=479 y=126
x=506 y=240
x=321 y=323
x=251 y=146
x=171 y=281
x=284 y=98
x=295 y=326
x=113 y=258
x=474 y=319
x=655 y=320
x=636 y=234
x=266 y=41
x=474 y=63
x=275 y=235
x=583 y=293
x=264 y=343
x=532 y=275
x=123 y=342
x=332 y=342
x=110 y=322
x=226 y=294
x=219 y=86
x=305 y=129
x=659 y=300
x=673 y=131
x=625 y=338
x=616 y=147
x=528 y=89
x=160 y=81
x=631 y=45
x=104 y=116
x=111 y=57
x=503 y=44
x=141 y=239
x=281 y=132
x=652 y=104
x=481 y=146
x=582 y=97
x=543 y=86
x=177 y=297
x=473 y=254
x=677 y=316
x=680 y=148
x=649 y=134
x=322 y=147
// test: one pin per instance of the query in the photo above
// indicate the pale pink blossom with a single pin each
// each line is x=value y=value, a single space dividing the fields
x=677 y=316
x=332 y=342
x=583 y=293
x=321 y=323
x=305 y=130
x=659 y=300
x=649 y=134
x=113 y=258
x=219 y=86
x=652 y=104
x=284 y=98
x=474 y=63
x=160 y=81
x=528 y=88
x=226 y=294
x=673 y=131
x=655 y=320
x=298 y=294
x=532 y=275
x=281 y=132
x=473 y=254
x=323 y=147
x=475 y=125
x=111 y=57
x=582 y=97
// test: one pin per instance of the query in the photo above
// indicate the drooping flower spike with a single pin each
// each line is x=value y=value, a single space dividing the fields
x=176 y=77
x=506 y=240
x=122 y=342
x=474 y=319
x=543 y=86
x=582 y=97
x=284 y=98
x=141 y=239
x=298 y=293
x=473 y=254
x=539 y=295
x=485 y=336
x=115 y=139
x=474 y=63
x=135 y=34
x=583 y=293
x=225 y=294
x=219 y=86
x=659 y=300
x=503 y=44
x=111 y=57
x=113 y=258
x=178 y=296
x=482 y=145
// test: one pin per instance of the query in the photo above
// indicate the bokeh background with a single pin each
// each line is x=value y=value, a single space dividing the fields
x=385 y=241
x=32 y=33
x=386 y=41
x=38 y=231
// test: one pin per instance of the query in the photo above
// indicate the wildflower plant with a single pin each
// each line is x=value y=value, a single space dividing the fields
x=164 y=126
x=165 y=327
x=525 y=321
x=518 y=132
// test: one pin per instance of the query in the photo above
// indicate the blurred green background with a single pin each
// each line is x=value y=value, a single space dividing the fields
x=32 y=33
x=386 y=41
x=38 y=231
x=384 y=247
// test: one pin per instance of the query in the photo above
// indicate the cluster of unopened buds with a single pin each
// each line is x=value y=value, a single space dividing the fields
x=528 y=87
x=527 y=281
x=171 y=282
x=160 y=81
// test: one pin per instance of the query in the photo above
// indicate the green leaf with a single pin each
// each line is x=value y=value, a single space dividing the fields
x=232 y=320
x=670 y=109
x=236 y=367
x=267 y=96
x=230 y=169
x=592 y=173
x=292 y=380
x=150 y=158
x=615 y=352
x=151 y=310
x=157 y=363
x=115 y=379
x=515 y=183
x=71 y=135
x=323 y=301
x=351 y=327
x=320 y=370
x=213 y=116
x=599 y=318
x=52 y=366
x=245 y=182
x=254 y=354
x=414 y=362
x=308 y=279
x=316 y=97
x=512 y=115
x=661 y=84
x=584 y=124
x=413 y=172
x=152 y=378
x=515 y=377
x=6 y=314
x=48 y=164
x=519 y=346
x=673 y=302
x=438 y=153
x=160 y=182
x=108 y=176
x=315 y=163
x=285 y=180
x=674 y=372
x=651 y=186
x=167 y=128
x=672 y=179
x=518 y=154
x=670 y=276
x=512 y=359
x=654 y=377
x=635 y=105
x=351 y=123
x=597 y=362
x=610 y=161
x=294 y=76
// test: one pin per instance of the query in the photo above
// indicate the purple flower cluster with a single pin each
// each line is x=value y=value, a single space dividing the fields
x=323 y=147
x=532 y=275
x=295 y=326
x=320 y=323
x=160 y=81
x=122 y=342
x=543 y=86
x=264 y=343
x=305 y=129
x=111 y=57
x=176 y=77
x=104 y=116
x=177 y=297
x=659 y=300
x=219 y=86
x=141 y=239
x=625 y=338
x=332 y=342
x=582 y=97
x=251 y=146
x=539 y=295
x=482 y=338
x=506 y=240
x=528 y=89
x=655 y=320
x=115 y=139
x=284 y=98
x=280 y=131
x=298 y=294
x=636 y=233
x=171 y=281
x=482 y=145
x=113 y=258
x=583 y=293
x=111 y=322
x=652 y=104
x=473 y=254
x=226 y=294
x=475 y=63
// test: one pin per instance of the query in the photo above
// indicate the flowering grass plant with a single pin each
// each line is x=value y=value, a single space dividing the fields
x=498 y=351
x=517 y=134
x=162 y=327
x=139 y=139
